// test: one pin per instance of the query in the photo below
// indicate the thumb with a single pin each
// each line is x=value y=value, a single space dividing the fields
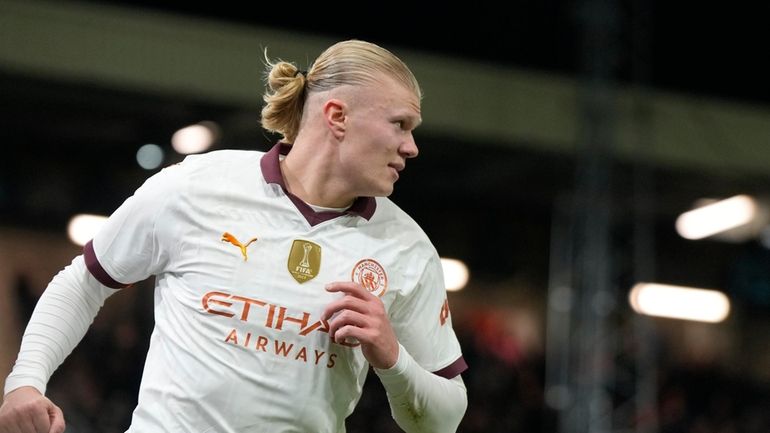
x=57 y=419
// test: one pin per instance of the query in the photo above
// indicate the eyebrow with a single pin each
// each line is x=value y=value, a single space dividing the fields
x=413 y=116
x=413 y=120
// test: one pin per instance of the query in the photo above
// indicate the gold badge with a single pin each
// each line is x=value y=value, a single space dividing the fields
x=304 y=260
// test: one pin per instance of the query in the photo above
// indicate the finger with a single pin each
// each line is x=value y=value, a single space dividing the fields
x=38 y=418
x=350 y=288
x=350 y=335
x=57 y=419
x=342 y=304
x=347 y=318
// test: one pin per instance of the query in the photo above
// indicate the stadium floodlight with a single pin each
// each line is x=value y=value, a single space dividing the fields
x=83 y=227
x=717 y=217
x=195 y=138
x=676 y=302
x=455 y=274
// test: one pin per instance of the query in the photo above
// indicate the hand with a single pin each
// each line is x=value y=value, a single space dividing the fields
x=25 y=410
x=360 y=315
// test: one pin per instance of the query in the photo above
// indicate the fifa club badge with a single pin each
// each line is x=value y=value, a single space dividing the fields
x=304 y=260
x=371 y=276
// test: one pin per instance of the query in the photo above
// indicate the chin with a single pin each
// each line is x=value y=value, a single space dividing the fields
x=384 y=191
x=377 y=187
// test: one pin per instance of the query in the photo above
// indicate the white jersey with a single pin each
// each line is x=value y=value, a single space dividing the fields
x=240 y=265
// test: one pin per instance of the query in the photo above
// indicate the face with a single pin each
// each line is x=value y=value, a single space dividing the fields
x=378 y=136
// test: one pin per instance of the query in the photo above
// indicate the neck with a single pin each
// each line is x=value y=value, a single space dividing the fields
x=310 y=175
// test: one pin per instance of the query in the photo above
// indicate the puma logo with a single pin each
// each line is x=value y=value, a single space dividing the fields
x=227 y=237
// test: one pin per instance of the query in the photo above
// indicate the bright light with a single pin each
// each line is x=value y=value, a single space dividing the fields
x=195 y=138
x=455 y=274
x=677 y=302
x=149 y=156
x=83 y=227
x=717 y=217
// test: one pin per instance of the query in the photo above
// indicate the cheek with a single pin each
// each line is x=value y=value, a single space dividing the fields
x=385 y=140
x=374 y=144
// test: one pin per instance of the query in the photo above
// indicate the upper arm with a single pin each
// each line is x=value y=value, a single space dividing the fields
x=422 y=321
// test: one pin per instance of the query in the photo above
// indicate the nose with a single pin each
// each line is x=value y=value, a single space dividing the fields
x=408 y=148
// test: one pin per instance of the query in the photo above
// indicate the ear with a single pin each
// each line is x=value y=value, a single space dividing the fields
x=335 y=114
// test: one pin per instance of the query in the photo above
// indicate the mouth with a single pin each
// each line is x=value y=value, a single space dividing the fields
x=396 y=168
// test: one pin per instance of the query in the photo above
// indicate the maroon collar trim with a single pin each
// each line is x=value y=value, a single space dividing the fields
x=271 y=170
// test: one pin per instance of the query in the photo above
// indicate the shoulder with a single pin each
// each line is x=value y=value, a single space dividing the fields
x=221 y=159
x=204 y=170
x=219 y=165
x=397 y=223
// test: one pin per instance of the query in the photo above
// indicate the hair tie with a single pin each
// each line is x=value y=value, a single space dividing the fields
x=304 y=73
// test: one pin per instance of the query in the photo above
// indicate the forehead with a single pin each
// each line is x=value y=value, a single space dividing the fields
x=392 y=96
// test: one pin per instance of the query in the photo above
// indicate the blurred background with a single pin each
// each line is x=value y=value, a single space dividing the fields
x=565 y=149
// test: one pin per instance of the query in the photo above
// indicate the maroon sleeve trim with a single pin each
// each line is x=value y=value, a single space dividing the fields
x=96 y=269
x=452 y=369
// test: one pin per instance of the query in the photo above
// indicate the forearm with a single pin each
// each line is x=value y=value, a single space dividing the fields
x=421 y=401
x=60 y=320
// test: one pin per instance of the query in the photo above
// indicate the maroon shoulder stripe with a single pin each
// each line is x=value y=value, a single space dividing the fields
x=452 y=369
x=96 y=269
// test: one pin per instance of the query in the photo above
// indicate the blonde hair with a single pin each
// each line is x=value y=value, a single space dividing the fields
x=351 y=62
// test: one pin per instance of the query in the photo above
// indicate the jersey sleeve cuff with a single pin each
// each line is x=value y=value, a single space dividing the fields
x=404 y=359
x=15 y=382
x=399 y=367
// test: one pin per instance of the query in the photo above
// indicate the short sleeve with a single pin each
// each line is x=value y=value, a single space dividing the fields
x=128 y=248
x=423 y=324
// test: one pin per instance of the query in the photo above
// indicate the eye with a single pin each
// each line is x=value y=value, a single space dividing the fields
x=403 y=125
x=406 y=124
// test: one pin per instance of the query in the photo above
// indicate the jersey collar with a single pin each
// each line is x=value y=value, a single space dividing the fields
x=271 y=170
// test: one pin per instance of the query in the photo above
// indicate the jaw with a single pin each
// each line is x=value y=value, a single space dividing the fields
x=381 y=187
